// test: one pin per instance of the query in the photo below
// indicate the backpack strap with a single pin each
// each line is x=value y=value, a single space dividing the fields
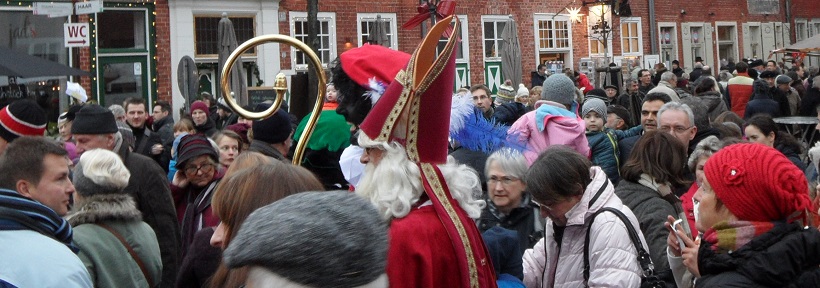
x=643 y=257
x=130 y=251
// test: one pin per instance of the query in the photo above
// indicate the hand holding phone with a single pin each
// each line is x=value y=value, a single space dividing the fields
x=678 y=226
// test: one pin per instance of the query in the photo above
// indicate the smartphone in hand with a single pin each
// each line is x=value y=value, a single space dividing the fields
x=678 y=226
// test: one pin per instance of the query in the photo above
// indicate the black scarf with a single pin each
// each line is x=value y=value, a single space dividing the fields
x=21 y=213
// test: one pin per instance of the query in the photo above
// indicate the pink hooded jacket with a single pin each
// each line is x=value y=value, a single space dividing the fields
x=549 y=124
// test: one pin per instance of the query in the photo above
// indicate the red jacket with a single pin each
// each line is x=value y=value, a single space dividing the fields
x=689 y=207
x=421 y=253
x=740 y=91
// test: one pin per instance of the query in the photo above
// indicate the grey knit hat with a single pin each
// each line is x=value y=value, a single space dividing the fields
x=594 y=104
x=317 y=239
x=558 y=88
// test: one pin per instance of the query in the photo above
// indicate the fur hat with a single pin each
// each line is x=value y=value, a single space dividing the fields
x=192 y=146
x=594 y=104
x=559 y=88
x=94 y=119
x=274 y=129
x=199 y=105
x=316 y=239
x=757 y=182
x=22 y=118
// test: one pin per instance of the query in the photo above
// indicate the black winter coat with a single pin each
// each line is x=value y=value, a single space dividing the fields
x=526 y=221
x=786 y=256
x=149 y=187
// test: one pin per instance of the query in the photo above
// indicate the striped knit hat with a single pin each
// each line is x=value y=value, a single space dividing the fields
x=757 y=183
x=192 y=146
x=22 y=118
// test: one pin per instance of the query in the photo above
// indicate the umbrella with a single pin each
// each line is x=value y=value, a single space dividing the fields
x=511 y=53
x=227 y=43
x=809 y=46
x=16 y=64
x=378 y=32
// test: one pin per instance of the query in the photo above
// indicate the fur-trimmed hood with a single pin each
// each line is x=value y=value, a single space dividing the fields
x=107 y=207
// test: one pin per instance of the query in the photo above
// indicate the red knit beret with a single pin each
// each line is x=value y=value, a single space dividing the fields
x=757 y=182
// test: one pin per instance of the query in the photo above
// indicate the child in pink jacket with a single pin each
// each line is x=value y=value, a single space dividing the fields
x=553 y=122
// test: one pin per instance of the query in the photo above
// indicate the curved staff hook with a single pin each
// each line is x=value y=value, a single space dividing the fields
x=280 y=87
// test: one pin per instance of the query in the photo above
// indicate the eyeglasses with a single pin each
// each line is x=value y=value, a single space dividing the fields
x=675 y=129
x=205 y=168
x=505 y=181
x=544 y=207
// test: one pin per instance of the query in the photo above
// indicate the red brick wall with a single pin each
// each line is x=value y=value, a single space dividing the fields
x=163 y=42
x=523 y=10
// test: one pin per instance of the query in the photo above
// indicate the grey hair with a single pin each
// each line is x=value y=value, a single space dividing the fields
x=698 y=65
x=816 y=81
x=117 y=110
x=725 y=76
x=676 y=106
x=104 y=168
x=666 y=76
x=511 y=161
x=705 y=148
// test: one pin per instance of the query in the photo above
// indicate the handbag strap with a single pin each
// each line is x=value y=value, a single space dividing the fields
x=643 y=257
x=130 y=251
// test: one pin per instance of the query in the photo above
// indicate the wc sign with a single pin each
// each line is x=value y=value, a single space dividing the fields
x=76 y=34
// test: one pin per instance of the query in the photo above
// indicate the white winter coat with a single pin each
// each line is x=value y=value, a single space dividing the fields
x=613 y=258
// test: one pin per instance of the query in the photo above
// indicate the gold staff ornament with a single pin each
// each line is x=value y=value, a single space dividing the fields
x=280 y=86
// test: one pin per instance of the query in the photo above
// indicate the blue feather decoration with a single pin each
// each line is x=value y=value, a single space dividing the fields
x=471 y=130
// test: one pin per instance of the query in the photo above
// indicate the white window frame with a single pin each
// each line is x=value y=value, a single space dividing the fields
x=330 y=17
x=801 y=29
x=566 y=50
x=675 y=43
x=391 y=17
x=497 y=39
x=814 y=25
x=639 y=36
x=733 y=41
x=592 y=19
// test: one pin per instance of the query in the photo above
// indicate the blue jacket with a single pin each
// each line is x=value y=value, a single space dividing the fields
x=604 y=149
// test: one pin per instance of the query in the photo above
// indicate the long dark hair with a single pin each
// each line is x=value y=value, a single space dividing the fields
x=766 y=125
x=661 y=156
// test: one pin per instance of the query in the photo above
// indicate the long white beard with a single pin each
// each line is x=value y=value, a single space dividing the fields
x=395 y=185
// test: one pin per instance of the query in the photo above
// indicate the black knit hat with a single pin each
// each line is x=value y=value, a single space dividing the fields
x=22 y=118
x=192 y=146
x=274 y=129
x=94 y=119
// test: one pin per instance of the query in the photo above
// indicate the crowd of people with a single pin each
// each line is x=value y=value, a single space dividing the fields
x=670 y=179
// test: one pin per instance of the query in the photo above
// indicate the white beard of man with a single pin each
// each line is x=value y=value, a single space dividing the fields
x=395 y=185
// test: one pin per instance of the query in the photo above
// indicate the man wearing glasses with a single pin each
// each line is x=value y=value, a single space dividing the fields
x=645 y=80
x=94 y=127
x=482 y=99
x=678 y=120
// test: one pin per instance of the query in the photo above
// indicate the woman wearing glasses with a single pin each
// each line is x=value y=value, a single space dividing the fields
x=193 y=185
x=569 y=191
x=508 y=203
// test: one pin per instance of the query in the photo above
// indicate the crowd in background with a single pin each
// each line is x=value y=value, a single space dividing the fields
x=588 y=189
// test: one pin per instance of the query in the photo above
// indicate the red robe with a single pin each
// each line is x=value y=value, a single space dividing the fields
x=422 y=255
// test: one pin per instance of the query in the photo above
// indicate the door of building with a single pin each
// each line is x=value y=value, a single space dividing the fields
x=122 y=77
